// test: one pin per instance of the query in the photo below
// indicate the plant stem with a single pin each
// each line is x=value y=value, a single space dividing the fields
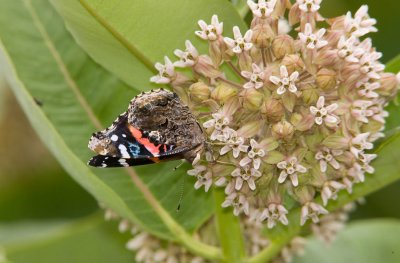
x=193 y=245
x=228 y=229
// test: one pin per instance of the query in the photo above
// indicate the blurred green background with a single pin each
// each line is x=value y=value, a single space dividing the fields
x=33 y=186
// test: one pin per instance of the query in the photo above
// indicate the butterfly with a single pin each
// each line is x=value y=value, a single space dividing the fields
x=156 y=127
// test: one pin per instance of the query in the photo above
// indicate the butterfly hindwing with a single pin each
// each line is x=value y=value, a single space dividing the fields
x=103 y=161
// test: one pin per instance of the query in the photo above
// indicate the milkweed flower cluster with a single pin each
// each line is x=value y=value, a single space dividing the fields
x=290 y=116
x=291 y=108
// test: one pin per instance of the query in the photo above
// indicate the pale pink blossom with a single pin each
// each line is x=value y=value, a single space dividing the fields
x=290 y=168
x=219 y=123
x=188 y=57
x=262 y=8
x=238 y=202
x=361 y=110
x=324 y=114
x=311 y=40
x=166 y=72
x=309 y=5
x=361 y=24
x=285 y=82
x=239 y=43
x=327 y=156
x=360 y=143
x=254 y=155
x=311 y=210
x=247 y=175
x=274 y=213
x=370 y=65
x=367 y=89
x=234 y=144
x=256 y=77
x=348 y=50
x=210 y=32
x=203 y=175
x=330 y=190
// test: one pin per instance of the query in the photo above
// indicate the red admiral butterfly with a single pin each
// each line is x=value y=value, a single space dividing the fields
x=156 y=127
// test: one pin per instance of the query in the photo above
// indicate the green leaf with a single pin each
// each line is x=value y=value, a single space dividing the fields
x=393 y=121
x=241 y=7
x=127 y=37
x=42 y=61
x=367 y=241
x=57 y=241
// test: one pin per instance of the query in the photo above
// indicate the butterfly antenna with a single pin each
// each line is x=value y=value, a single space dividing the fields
x=179 y=165
x=178 y=208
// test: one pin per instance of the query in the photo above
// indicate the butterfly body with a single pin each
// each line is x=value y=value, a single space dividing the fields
x=156 y=127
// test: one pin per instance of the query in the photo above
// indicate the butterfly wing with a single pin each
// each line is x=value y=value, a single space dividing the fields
x=103 y=161
x=124 y=145
x=157 y=126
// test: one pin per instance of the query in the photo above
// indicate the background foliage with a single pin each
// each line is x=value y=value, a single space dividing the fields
x=42 y=210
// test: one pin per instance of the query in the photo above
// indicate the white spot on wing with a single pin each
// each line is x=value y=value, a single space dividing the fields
x=123 y=150
x=124 y=135
x=114 y=138
x=123 y=162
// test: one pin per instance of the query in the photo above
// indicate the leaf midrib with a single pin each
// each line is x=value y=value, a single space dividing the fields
x=61 y=65
x=126 y=43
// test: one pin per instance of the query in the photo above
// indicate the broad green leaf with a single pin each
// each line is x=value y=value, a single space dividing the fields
x=241 y=7
x=393 y=121
x=128 y=36
x=368 y=241
x=49 y=242
x=42 y=61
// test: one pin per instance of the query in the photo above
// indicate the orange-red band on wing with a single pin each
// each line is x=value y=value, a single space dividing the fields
x=151 y=147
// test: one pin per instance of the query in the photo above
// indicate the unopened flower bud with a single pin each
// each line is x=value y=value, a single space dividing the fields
x=293 y=63
x=249 y=129
x=223 y=92
x=310 y=96
x=252 y=99
x=302 y=123
x=262 y=35
x=336 y=142
x=283 y=130
x=273 y=110
x=217 y=51
x=304 y=194
x=326 y=79
x=280 y=8
x=294 y=14
x=206 y=67
x=199 y=91
x=389 y=84
x=282 y=45
x=327 y=57
x=351 y=73
x=245 y=61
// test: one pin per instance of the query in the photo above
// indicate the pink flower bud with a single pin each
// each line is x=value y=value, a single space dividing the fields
x=326 y=79
x=282 y=45
x=199 y=91
x=273 y=110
